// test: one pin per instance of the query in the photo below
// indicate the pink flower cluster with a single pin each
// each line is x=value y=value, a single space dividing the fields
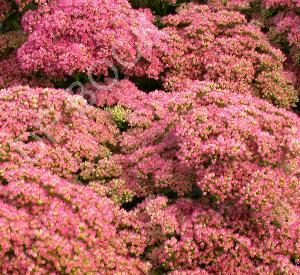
x=231 y=145
x=12 y=75
x=190 y=237
x=220 y=46
x=50 y=222
x=242 y=149
x=282 y=19
x=94 y=37
x=286 y=26
x=61 y=133
x=53 y=226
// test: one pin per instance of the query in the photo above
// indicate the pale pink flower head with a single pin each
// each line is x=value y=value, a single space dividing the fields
x=219 y=45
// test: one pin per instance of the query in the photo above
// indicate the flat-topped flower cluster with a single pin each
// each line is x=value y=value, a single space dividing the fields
x=220 y=46
x=66 y=37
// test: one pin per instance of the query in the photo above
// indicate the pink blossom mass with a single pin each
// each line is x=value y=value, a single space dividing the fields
x=147 y=137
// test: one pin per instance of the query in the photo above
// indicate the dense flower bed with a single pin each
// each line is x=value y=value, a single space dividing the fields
x=132 y=143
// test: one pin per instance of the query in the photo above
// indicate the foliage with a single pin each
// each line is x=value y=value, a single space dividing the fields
x=159 y=7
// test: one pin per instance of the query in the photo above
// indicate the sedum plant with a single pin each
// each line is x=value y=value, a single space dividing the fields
x=220 y=46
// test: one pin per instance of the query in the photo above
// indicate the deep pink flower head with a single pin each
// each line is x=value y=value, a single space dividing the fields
x=11 y=73
x=93 y=37
x=50 y=143
x=220 y=46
